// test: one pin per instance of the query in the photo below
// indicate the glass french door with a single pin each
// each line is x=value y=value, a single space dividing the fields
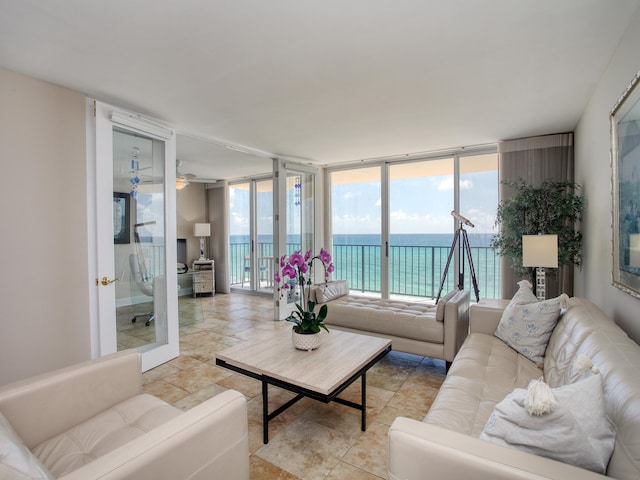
x=251 y=235
x=135 y=236
x=296 y=225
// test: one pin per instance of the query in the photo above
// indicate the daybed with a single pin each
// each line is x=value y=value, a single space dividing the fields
x=419 y=328
x=485 y=372
x=92 y=421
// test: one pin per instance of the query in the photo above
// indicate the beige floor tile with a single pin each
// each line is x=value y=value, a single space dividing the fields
x=198 y=377
x=306 y=449
x=370 y=452
x=344 y=471
x=310 y=440
x=248 y=386
x=165 y=391
x=414 y=396
x=200 y=396
x=263 y=470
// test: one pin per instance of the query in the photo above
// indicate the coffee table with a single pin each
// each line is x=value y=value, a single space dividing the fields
x=321 y=374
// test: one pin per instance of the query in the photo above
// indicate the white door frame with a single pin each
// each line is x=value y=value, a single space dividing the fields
x=281 y=168
x=100 y=125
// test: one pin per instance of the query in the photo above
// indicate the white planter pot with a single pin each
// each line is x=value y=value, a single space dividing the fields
x=306 y=342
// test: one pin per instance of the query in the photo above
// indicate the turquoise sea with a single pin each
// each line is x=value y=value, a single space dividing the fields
x=416 y=262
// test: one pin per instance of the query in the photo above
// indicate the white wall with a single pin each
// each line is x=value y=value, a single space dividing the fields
x=44 y=284
x=190 y=209
x=218 y=211
x=593 y=172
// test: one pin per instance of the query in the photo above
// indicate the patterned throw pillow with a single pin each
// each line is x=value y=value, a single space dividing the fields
x=526 y=324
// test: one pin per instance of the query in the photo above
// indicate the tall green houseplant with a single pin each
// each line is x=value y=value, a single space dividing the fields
x=552 y=208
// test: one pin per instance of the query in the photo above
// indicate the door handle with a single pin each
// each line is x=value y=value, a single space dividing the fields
x=105 y=281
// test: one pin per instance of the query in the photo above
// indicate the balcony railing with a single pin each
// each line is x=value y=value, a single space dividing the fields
x=413 y=270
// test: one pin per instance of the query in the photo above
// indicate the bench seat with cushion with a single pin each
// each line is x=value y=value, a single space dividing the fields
x=416 y=327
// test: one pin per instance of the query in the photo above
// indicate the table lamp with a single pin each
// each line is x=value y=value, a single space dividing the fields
x=540 y=251
x=202 y=230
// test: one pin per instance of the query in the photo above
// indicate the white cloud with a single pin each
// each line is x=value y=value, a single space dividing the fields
x=446 y=183
x=356 y=224
x=378 y=202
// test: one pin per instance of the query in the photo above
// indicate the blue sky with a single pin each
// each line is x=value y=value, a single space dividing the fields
x=418 y=205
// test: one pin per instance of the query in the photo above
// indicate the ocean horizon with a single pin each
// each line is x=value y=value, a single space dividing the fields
x=417 y=262
x=397 y=239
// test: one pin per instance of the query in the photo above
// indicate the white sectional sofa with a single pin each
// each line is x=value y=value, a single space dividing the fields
x=414 y=327
x=92 y=421
x=445 y=445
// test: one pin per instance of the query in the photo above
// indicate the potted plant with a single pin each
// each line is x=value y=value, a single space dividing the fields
x=552 y=208
x=296 y=271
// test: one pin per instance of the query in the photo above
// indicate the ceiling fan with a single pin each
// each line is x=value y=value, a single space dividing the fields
x=184 y=179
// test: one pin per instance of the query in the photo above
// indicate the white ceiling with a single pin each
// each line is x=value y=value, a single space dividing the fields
x=326 y=81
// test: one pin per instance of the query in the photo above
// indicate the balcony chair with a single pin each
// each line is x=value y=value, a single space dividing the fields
x=246 y=274
x=144 y=281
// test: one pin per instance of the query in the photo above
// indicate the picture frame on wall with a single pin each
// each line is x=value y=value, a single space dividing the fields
x=625 y=166
x=121 y=218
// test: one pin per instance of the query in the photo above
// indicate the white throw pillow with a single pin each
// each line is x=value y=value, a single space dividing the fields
x=527 y=324
x=442 y=303
x=330 y=291
x=16 y=460
x=577 y=431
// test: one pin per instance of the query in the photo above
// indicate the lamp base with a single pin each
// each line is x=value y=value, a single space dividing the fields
x=202 y=257
x=540 y=284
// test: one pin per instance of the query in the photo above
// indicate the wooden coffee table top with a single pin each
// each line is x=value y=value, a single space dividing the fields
x=340 y=356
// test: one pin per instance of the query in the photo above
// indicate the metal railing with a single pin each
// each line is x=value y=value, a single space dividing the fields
x=413 y=270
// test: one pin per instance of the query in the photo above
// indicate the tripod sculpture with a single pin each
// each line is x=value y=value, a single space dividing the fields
x=462 y=240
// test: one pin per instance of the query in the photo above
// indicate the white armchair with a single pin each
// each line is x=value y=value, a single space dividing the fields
x=92 y=421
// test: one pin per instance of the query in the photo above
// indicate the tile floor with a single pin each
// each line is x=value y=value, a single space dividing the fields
x=311 y=440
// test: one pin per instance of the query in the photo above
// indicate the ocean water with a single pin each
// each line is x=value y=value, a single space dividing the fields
x=417 y=262
x=402 y=239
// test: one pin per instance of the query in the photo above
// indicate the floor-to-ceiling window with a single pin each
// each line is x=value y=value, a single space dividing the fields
x=356 y=226
x=393 y=230
x=420 y=203
x=478 y=201
x=251 y=235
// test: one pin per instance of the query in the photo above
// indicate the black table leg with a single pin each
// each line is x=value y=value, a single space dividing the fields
x=265 y=412
x=364 y=401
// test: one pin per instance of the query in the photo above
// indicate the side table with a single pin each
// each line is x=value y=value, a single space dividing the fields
x=204 y=278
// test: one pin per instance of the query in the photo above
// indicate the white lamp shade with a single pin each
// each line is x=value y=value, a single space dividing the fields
x=201 y=229
x=540 y=251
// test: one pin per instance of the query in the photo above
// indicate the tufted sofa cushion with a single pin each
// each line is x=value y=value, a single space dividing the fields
x=485 y=370
x=585 y=329
x=388 y=317
x=103 y=433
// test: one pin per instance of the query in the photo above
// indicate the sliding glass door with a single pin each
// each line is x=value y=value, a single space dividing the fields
x=251 y=235
x=393 y=230
x=420 y=203
x=357 y=227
